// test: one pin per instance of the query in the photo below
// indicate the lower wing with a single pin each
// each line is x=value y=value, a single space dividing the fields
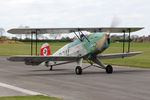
x=36 y=60
x=117 y=55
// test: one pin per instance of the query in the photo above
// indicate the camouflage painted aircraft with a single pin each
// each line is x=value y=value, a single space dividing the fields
x=86 y=47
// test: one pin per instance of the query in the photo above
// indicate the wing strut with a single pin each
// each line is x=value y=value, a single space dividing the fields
x=77 y=36
x=85 y=36
x=129 y=41
x=81 y=35
x=124 y=40
x=36 y=41
x=31 y=43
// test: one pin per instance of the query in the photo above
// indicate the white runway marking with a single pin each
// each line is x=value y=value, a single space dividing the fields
x=20 y=89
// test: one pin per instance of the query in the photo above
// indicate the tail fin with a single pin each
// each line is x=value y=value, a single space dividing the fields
x=45 y=50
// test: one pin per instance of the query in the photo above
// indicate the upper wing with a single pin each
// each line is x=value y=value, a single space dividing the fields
x=118 y=55
x=36 y=60
x=70 y=30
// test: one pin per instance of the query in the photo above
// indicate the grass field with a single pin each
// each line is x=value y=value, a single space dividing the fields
x=38 y=97
x=142 y=60
x=24 y=48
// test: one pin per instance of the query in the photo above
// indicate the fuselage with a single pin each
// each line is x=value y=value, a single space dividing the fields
x=89 y=45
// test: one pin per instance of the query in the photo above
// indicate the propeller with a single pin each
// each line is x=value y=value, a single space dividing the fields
x=115 y=22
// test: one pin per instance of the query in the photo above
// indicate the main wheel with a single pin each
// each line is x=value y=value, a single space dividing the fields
x=78 y=70
x=109 y=69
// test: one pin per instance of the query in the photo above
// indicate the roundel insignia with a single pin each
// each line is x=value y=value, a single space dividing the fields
x=45 y=52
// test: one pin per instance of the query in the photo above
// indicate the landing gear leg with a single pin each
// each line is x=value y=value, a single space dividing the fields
x=78 y=69
x=47 y=65
x=108 y=68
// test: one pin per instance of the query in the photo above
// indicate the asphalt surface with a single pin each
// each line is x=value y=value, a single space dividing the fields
x=94 y=84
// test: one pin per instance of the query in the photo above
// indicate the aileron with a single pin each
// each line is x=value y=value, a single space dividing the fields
x=118 y=55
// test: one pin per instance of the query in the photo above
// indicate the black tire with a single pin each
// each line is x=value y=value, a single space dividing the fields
x=109 y=69
x=78 y=70
x=51 y=68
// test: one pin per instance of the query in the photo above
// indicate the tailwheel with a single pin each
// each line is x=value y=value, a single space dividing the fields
x=109 y=69
x=51 y=67
x=78 y=70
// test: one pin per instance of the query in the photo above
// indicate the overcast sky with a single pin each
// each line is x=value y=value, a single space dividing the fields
x=75 y=13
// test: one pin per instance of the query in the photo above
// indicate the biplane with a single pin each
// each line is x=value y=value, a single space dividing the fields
x=85 y=47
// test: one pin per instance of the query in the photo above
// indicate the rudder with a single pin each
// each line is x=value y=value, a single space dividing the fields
x=45 y=50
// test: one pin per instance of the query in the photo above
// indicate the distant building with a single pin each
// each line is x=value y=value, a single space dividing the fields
x=142 y=39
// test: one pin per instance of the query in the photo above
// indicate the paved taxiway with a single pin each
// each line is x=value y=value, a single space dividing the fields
x=124 y=84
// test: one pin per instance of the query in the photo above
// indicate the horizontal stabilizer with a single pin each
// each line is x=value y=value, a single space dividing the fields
x=118 y=55
x=70 y=30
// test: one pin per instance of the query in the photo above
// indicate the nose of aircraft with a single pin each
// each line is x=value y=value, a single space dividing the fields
x=100 y=43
